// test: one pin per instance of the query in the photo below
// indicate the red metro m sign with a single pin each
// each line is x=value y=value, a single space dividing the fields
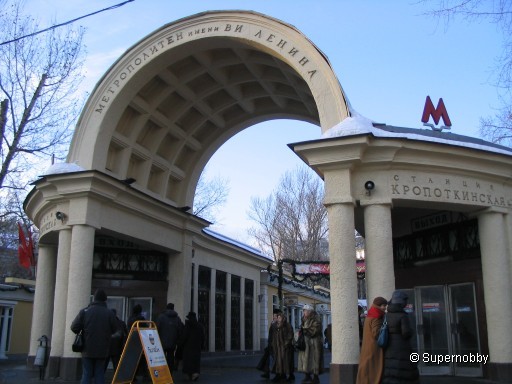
x=436 y=114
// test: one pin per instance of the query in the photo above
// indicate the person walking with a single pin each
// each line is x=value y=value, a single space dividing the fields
x=169 y=327
x=117 y=341
x=268 y=355
x=97 y=324
x=191 y=343
x=282 y=345
x=311 y=360
x=371 y=359
x=398 y=367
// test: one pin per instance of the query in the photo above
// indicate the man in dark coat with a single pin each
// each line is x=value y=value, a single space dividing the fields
x=191 y=343
x=169 y=327
x=398 y=367
x=97 y=324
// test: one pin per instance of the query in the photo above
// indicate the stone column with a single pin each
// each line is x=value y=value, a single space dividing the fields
x=228 y=312
x=508 y=220
x=264 y=315
x=380 y=272
x=59 y=306
x=211 y=326
x=43 y=297
x=79 y=291
x=196 y=289
x=342 y=252
x=179 y=277
x=496 y=280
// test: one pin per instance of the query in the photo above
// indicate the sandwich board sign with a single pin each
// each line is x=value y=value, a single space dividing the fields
x=143 y=339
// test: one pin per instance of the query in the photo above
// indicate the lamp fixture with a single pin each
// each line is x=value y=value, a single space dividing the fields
x=369 y=186
x=60 y=216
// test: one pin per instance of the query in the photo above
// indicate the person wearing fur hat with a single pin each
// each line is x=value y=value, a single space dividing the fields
x=311 y=360
x=398 y=367
x=371 y=359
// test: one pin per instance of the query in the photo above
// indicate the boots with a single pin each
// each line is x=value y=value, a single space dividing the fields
x=307 y=379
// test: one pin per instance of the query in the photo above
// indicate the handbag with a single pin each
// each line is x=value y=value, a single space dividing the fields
x=383 y=338
x=300 y=344
x=78 y=344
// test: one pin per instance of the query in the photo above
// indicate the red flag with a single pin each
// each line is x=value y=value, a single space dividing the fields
x=23 y=249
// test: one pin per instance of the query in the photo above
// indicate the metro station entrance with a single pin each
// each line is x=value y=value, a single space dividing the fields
x=446 y=323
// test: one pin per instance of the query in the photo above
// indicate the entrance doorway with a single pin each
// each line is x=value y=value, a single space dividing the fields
x=446 y=324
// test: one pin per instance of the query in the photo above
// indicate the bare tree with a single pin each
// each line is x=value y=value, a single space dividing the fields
x=291 y=223
x=211 y=195
x=497 y=128
x=39 y=77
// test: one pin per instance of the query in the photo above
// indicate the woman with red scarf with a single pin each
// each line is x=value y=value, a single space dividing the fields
x=371 y=359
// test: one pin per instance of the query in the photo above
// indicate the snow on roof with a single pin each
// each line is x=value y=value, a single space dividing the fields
x=63 y=168
x=357 y=124
x=235 y=242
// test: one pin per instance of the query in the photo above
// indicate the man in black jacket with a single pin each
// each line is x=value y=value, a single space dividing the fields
x=97 y=324
x=169 y=327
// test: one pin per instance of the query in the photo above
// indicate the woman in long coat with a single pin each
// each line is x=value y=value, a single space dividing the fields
x=282 y=345
x=311 y=360
x=190 y=344
x=371 y=359
x=398 y=367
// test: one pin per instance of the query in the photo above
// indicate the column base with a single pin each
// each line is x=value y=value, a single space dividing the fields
x=500 y=372
x=342 y=373
x=70 y=368
x=53 y=367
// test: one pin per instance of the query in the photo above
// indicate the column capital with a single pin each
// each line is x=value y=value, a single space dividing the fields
x=380 y=201
x=339 y=200
x=491 y=210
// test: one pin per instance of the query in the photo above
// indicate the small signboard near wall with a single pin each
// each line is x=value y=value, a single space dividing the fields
x=143 y=340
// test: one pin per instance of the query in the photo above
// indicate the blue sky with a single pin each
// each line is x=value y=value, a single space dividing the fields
x=388 y=57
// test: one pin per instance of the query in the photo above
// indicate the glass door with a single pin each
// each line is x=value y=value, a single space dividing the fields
x=464 y=328
x=432 y=328
x=447 y=324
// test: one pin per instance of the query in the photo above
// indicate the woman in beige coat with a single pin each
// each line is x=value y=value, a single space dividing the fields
x=311 y=360
x=371 y=359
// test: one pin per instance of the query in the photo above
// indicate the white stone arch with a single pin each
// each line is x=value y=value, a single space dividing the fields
x=175 y=97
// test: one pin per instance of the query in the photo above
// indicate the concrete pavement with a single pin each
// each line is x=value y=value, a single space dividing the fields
x=226 y=369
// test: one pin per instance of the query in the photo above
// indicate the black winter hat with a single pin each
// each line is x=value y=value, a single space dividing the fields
x=399 y=297
x=192 y=316
x=100 y=295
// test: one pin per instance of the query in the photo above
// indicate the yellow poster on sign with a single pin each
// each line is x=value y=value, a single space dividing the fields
x=143 y=340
